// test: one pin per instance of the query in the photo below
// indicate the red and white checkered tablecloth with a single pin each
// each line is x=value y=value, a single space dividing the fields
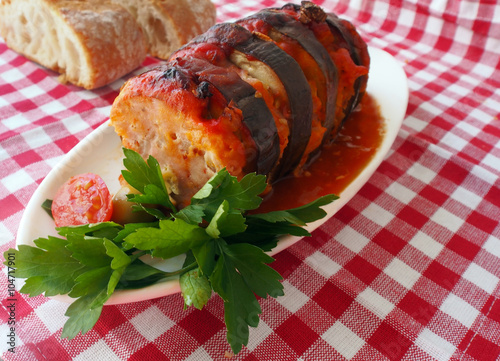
x=409 y=269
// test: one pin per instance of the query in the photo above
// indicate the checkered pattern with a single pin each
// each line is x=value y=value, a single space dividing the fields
x=409 y=269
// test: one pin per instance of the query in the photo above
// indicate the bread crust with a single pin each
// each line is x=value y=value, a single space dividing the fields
x=168 y=24
x=91 y=43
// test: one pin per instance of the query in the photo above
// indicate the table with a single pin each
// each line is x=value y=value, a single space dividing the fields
x=409 y=269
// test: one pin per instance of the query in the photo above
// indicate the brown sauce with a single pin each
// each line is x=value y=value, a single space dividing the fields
x=337 y=166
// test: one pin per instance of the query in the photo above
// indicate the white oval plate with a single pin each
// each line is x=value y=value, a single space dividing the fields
x=101 y=153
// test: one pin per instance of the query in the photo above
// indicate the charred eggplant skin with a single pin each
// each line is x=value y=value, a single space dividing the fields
x=295 y=30
x=357 y=48
x=232 y=37
x=256 y=115
x=346 y=37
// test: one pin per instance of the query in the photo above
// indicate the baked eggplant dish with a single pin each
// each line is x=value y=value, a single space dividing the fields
x=262 y=94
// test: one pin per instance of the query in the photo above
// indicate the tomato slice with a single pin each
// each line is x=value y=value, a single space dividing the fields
x=83 y=199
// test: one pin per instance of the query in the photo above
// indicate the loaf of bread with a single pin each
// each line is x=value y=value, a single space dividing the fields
x=90 y=43
x=168 y=24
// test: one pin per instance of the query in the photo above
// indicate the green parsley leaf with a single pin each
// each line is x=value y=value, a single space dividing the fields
x=243 y=195
x=131 y=228
x=120 y=258
x=104 y=263
x=195 y=288
x=139 y=274
x=260 y=227
x=193 y=214
x=82 y=316
x=174 y=237
x=300 y=215
x=89 y=229
x=99 y=284
x=48 y=267
x=251 y=263
x=240 y=272
x=205 y=256
x=89 y=251
x=226 y=223
x=241 y=308
x=155 y=212
x=146 y=177
x=152 y=194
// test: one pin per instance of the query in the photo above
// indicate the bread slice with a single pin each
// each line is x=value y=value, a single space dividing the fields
x=91 y=43
x=169 y=24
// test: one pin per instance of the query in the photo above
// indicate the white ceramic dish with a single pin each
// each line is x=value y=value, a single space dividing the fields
x=100 y=152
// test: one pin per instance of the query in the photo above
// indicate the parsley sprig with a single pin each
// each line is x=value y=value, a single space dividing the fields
x=225 y=250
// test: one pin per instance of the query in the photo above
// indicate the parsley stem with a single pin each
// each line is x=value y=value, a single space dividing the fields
x=165 y=274
x=182 y=270
x=137 y=255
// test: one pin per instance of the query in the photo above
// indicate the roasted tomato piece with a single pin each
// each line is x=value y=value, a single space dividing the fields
x=83 y=199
